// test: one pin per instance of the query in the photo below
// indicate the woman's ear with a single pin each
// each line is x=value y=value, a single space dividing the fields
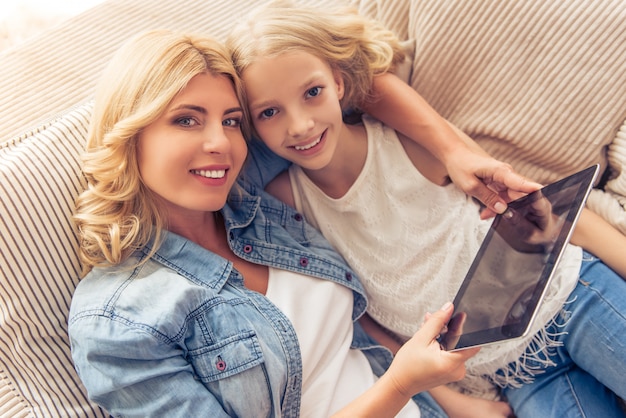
x=339 y=83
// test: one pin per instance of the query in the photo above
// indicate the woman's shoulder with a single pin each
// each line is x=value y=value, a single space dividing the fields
x=150 y=296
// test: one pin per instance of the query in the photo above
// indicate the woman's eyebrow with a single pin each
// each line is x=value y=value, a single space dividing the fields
x=233 y=110
x=203 y=110
x=196 y=108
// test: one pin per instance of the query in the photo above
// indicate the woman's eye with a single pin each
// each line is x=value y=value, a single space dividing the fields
x=268 y=113
x=232 y=122
x=186 y=121
x=315 y=91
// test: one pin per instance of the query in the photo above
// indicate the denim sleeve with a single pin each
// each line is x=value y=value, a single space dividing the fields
x=262 y=164
x=155 y=380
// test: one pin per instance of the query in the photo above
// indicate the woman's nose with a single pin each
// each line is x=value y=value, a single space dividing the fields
x=216 y=141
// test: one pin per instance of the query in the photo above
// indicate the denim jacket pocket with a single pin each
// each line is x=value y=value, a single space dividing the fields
x=226 y=358
x=234 y=370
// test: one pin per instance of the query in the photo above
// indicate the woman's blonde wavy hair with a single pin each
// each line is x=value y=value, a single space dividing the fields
x=357 y=47
x=117 y=214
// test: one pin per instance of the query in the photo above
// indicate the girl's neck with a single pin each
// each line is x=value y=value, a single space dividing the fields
x=346 y=165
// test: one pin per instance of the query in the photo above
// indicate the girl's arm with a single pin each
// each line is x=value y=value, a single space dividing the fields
x=396 y=104
x=600 y=238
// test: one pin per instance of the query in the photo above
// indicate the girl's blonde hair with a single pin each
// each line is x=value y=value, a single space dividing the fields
x=117 y=213
x=355 y=46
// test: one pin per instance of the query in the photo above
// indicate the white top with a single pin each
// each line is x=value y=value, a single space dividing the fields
x=321 y=312
x=412 y=241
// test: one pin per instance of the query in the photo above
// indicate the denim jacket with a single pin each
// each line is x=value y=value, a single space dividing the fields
x=181 y=336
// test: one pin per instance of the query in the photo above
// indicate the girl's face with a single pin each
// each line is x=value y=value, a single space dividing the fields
x=191 y=155
x=294 y=105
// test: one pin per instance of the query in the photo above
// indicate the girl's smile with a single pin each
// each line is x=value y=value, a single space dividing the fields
x=311 y=147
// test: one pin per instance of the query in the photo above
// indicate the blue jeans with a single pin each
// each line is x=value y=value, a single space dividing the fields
x=590 y=366
x=429 y=408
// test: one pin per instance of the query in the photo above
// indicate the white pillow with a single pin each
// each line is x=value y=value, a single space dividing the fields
x=40 y=177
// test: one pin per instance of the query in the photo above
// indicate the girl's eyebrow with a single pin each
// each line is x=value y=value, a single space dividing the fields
x=265 y=103
x=315 y=78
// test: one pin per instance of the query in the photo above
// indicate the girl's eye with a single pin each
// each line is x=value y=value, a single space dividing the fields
x=186 y=121
x=312 y=92
x=268 y=113
x=232 y=122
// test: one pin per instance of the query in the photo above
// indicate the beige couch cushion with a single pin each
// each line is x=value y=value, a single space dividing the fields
x=52 y=72
x=538 y=84
x=39 y=180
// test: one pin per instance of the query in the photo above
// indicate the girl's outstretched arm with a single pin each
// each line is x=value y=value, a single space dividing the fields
x=478 y=174
x=600 y=238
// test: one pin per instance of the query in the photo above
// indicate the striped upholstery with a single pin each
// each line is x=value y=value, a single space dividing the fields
x=538 y=84
x=54 y=71
x=40 y=172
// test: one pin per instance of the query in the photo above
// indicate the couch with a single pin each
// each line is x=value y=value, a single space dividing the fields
x=539 y=84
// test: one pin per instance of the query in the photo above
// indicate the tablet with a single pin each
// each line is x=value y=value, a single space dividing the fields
x=508 y=278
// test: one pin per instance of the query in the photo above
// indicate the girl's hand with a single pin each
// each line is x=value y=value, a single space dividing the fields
x=491 y=181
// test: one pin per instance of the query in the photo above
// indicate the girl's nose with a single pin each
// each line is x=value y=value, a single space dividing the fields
x=300 y=124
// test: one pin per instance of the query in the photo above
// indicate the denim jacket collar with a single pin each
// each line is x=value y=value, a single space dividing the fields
x=193 y=261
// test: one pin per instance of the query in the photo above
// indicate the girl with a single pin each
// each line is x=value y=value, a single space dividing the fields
x=411 y=240
x=203 y=298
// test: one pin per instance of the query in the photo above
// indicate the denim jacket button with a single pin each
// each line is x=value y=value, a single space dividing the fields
x=297 y=217
x=348 y=276
x=247 y=248
x=304 y=261
x=220 y=364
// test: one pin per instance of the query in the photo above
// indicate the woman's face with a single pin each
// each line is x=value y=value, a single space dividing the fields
x=191 y=155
